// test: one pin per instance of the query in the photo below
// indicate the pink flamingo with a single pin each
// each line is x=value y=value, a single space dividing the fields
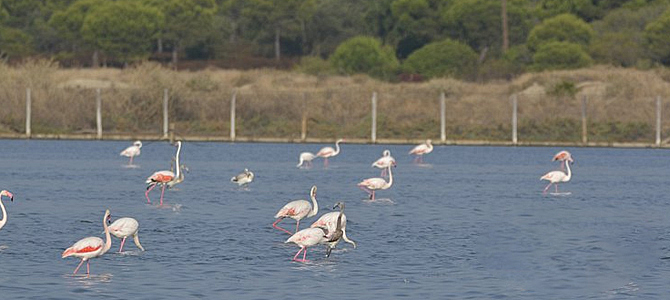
x=90 y=247
x=327 y=152
x=563 y=156
x=125 y=227
x=307 y=238
x=132 y=151
x=163 y=177
x=422 y=149
x=554 y=177
x=370 y=185
x=306 y=159
x=2 y=205
x=384 y=162
x=330 y=221
x=297 y=210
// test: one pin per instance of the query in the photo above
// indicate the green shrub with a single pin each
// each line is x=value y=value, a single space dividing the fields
x=565 y=27
x=445 y=58
x=656 y=35
x=314 y=65
x=365 y=55
x=560 y=55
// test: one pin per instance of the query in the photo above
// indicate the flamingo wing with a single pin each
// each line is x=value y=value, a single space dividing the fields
x=553 y=176
x=373 y=183
x=131 y=151
x=89 y=246
x=325 y=152
x=308 y=237
x=160 y=177
x=297 y=208
x=329 y=220
x=420 y=149
x=124 y=227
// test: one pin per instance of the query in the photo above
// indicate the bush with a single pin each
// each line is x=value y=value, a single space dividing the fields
x=365 y=55
x=656 y=35
x=445 y=58
x=314 y=65
x=560 y=55
x=565 y=27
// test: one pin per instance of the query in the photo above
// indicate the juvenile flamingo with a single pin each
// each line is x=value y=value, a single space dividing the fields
x=306 y=159
x=125 y=227
x=90 y=247
x=243 y=178
x=370 y=185
x=336 y=223
x=327 y=152
x=554 y=177
x=132 y=151
x=2 y=205
x=297 y=210
x=563 y=156
x=307 y=238
x=421 y=150
x=384 y=162
x=179 y=178
x=163 y=177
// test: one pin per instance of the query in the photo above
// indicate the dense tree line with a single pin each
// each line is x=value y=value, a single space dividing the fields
x=469 y=39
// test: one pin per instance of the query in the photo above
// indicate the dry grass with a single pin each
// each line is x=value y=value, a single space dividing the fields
x=271 y=103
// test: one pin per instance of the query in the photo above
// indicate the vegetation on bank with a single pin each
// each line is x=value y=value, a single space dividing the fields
x=620 y=102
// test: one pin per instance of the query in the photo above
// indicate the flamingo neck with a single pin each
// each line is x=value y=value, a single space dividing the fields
x=430 y=146
x=388 y=185
x=108 y=239
x=315 y=206
x=177 y=165
x=337 y=148
x=4 y=214
x=567 y=165
x=339 y=219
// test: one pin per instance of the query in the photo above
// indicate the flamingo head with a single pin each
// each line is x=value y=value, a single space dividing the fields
x=185 y=169
x=177 y=144
x=138 y=144
x=386 y=153
x=312 y=192
x=8 y=194
x=340 y=205
x=429 y=141
x=341 y=141
x=108 y=218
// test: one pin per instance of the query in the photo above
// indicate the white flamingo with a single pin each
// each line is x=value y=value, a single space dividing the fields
x=163 y=177
x=421 y=150
x=90 y=247
x=132 y=151
x=554 y=177
x=125 y=227
x=2 y=205
x=306 y=159
x=307 y=238
x=384 y=162
x=336 y=230
x=370 y=185
x=563 y=156
x=297 y=210
x=243 y=178
x=327 y=152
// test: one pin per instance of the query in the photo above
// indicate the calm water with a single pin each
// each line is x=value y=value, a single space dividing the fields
x=473 y=224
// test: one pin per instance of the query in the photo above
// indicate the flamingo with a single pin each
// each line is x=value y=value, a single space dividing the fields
x=554 y=177
x=327 y=152
x=179 y=179
x=163 y=177
x=307 y=238
x=563 y=156
x=297 y=210
x=422 y=149
x=125 y=227
x=335 y=222
x=132 y=151
x=384 y=162
x=370 y=185
x=90 y=247
x=306 y=159
x=243 y=178
x=2 y=205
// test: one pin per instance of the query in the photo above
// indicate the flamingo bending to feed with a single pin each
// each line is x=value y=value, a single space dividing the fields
x=297 y=210
x=243 y=178
x=132 y=151
x=370 y=185
x=90 y=247
x=554 y=177
x=125 y=227
x=563 y=156
x=422 y=149
x=327 y=152
x=2 y=205
x=163 y=177
x=306 y=159
x=336 y=223
x=384 y=162
x=307 y=238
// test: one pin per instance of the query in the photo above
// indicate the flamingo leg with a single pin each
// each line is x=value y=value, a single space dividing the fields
x=372 y=196
x=88 y=267
x=296 y=255
x=277 y=226
x=325 y=162
x=146 y=194
x=131 y=161
x=304 y=254
x=122 y=242
x=77 y=269
x=546 y=188
x=162 y=193
x=556 y=187
x=297 y=225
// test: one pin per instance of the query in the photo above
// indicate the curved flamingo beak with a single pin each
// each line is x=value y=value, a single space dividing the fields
x=10 y=195
x=109 y=219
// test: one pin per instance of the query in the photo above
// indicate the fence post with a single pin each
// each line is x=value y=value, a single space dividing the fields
x=658 y=120
x=303 y=133
x=232 y=116
x=374 y=117
x=98 y=112
x=28 y=112
x=514 y=119
x=443 y=118
x=165 y=113
x=584 y=129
